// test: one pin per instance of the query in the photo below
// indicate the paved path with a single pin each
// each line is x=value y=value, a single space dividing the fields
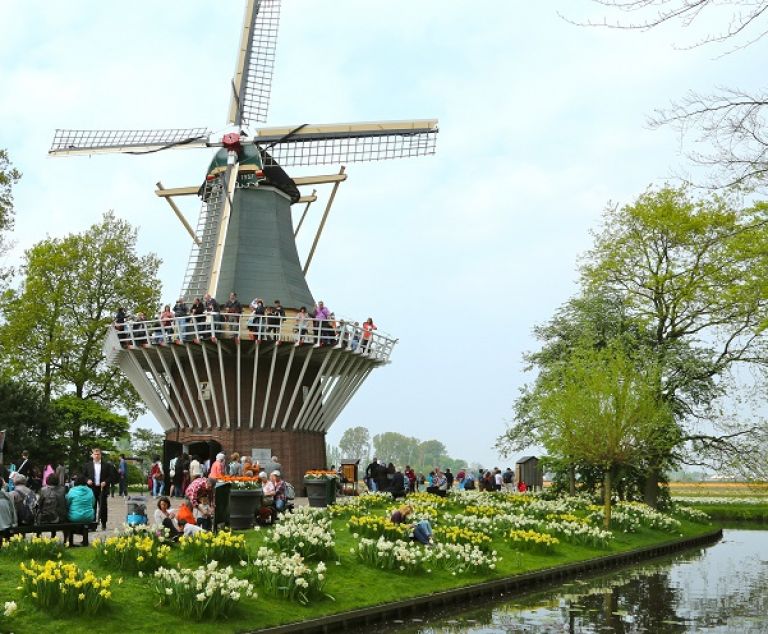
x=116 y=508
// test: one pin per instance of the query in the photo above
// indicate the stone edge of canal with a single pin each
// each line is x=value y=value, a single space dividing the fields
x=488 y=589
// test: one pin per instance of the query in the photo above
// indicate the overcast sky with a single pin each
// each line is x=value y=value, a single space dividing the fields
x=458 y=255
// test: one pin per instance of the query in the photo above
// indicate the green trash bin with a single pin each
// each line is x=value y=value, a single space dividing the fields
x=320 y=492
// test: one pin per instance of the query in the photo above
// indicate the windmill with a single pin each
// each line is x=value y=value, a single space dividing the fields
x=212 y=388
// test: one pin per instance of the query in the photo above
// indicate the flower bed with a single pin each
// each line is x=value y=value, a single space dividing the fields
x=533 y=540
x=459 y=535
x=204 y=593
x=132 y=552
x=224 y=546
x=376 y=526
x=397 y=555
x=244 y=483
x=307 y=532
x=54 y=585
x=287 y=576
x=462 y=558
x=35 y=548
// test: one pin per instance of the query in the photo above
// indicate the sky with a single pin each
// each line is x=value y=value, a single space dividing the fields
x=458 y=255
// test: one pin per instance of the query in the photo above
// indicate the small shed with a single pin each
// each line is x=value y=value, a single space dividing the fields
x=349 y=475
x=527 y=470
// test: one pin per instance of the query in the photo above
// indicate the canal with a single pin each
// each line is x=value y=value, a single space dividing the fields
x=721 y=588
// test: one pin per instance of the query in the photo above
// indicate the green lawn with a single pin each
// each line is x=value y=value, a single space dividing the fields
x=134 y=607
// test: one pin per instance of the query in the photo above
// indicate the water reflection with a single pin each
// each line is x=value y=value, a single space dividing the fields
x=719 y=589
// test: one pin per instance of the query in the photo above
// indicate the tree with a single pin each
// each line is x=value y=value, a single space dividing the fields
x=26 y=418
x=57 y=319
x=602 y=407
x=9 y=176
x=683 y=280
x=731 y=121
x=431 y=454
x=146 y=444
x=694 y=272
x=393 y=447
x=355 y=443
x=83 y=424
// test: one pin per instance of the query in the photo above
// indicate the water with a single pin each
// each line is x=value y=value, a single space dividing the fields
x=717 y=589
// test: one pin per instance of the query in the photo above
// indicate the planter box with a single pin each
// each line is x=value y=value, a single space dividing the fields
x=243 y=505
x=320 y=492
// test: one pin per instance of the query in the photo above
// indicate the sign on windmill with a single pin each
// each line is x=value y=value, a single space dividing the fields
x=234 y=376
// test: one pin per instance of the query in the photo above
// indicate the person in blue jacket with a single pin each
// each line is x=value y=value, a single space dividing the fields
x=80 y=502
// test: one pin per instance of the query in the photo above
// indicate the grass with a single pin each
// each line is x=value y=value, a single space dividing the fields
x=135 y=608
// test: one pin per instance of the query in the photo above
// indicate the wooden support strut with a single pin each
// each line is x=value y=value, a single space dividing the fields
x=177 y=211
x=310 y=200
x=325 y=217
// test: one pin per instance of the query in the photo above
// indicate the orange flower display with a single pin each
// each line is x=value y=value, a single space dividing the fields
x=320 y=474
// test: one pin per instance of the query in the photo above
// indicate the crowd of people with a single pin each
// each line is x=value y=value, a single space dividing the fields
x=206 y=318
x=399 y=482
x=29 y=495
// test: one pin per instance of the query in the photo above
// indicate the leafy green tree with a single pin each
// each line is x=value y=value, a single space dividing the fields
x=684 y=280
x=82 y=424
x=694 y=272
x=26 y=418
x=57 y=319
x=146 y=444
x=355 y=443
x=393 y=447
x=602 y=407
x=431 y=454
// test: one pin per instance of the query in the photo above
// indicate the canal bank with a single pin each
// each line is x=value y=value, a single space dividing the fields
x=356 y=620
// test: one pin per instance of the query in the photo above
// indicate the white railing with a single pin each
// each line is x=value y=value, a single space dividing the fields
x=261 y=328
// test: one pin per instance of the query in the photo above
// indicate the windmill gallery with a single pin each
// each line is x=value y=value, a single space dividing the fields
x=239 y=381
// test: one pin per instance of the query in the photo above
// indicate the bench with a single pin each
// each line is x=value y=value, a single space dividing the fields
x=70 y=529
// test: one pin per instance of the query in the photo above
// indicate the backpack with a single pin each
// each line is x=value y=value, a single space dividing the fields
x=26 y=508
x=507 y=477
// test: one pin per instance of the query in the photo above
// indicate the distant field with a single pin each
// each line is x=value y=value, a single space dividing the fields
x=718 y=490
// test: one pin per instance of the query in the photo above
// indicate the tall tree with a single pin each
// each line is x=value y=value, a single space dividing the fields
x=57 y=319
x=146 y=444
x=683 y=279
x=603 y=407
x=83 y=424
x=26 y=418
x=393 y=447
x=355 y=443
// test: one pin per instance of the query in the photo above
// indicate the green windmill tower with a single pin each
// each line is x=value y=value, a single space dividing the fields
x=251 y=383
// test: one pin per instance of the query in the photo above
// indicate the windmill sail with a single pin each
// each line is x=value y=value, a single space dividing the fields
x=349 y=142
x=201 y=255
x=252 y=83
x=72 y=142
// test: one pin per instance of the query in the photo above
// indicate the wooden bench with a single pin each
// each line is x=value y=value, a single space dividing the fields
x=70 y=529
